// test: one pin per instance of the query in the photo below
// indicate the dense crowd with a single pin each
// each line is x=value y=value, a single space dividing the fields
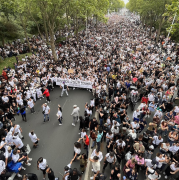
x=125 y=66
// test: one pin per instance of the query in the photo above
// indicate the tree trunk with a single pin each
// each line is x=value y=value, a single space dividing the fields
x=76 y=28
x=96 y=22
x=46 y=32
x=25 y=32
x=3 y=42
x=159 y=29
x=52 y=43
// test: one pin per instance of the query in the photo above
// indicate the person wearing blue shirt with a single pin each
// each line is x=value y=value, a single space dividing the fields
x=23 y=113
x=98 y=139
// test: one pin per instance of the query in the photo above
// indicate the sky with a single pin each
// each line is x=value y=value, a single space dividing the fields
x=126 y=1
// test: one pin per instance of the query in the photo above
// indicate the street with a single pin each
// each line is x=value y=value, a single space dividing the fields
x=56 y=142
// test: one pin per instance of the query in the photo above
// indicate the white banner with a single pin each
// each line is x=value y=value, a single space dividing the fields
x=74 y=83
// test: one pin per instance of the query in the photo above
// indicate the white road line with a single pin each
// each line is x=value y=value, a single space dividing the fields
x=64 y=103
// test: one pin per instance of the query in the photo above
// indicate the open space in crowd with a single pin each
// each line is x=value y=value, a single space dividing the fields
x=127 y=126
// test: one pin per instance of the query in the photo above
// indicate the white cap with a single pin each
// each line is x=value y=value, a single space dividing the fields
x=74 y=106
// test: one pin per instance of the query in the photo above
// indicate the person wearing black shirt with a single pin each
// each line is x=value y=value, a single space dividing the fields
x=115 y=172
x=74 y=174
x=105 y=130
x=93 y=123
x=110 y=146
x=30 y=176
x=129 y=143
x=50 y=173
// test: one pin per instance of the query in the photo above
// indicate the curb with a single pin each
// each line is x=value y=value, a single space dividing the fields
x=89 y=154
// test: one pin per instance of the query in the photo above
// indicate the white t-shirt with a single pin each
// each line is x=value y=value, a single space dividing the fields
x=7 y=154
x=46 y=109
x=2 y=166
x=148 y=162
x=19 y=102
x=59 y=113
x=159 y=163
x=153 y=175
x=135 y=125
x=110 y=159
x=30 y=103
x=157 y=141
x=173 y=168
x=77 y=150
x=15 y=157
x=18 y=142
x=5 y=98
x=96 y=166
x=100 y=155
x=33 y=137
x=43 y=164
x=120 y=144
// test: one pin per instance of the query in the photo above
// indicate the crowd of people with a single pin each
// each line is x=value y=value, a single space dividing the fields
x=123 y=61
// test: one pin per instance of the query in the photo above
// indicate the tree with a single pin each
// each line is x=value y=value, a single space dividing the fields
x=150 y=11
x=8 y=30
x=172 y=16
x=116 y=5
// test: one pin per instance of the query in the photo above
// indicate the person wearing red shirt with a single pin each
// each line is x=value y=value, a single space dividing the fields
x=145 y=100
x=86 y=143
x=47 y=94
x=4 y=74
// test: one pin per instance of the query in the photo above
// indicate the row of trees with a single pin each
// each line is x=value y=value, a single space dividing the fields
x=157 y=13
x=45 y=17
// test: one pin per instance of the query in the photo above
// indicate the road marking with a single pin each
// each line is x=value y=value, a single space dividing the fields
x=64 y=103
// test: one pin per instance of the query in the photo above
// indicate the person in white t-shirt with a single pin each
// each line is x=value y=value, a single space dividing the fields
x=96 y=166
x=18 y=142
x=110 y=158
x=34 y=138
x=157 y=140
x=59 y=115
x=162 y=160
x=153 y=175
x=46 y=111
x=67 y=170
x=64 y=89
x=42 y=165
x=20 y=157
x=98 y=153
x=31 y=104
x=5 y=99
x=77 y=148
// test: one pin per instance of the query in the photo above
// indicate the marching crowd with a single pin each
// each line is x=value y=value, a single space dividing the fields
x=122 y=61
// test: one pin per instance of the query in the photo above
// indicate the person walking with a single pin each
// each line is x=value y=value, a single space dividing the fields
x=46 y=111
x=42 y=165
x=47 y=94
x=22 y=110
x=50 y=173
x=95 y=165
x=31 y=104
x=64 y=88
x=75 y=114
x=34 y=139
x=59 y=115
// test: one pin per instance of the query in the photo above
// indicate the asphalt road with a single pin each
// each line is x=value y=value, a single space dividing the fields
x=56 y=142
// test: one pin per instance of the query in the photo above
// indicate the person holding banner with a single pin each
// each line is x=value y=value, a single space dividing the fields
x=64 y=89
